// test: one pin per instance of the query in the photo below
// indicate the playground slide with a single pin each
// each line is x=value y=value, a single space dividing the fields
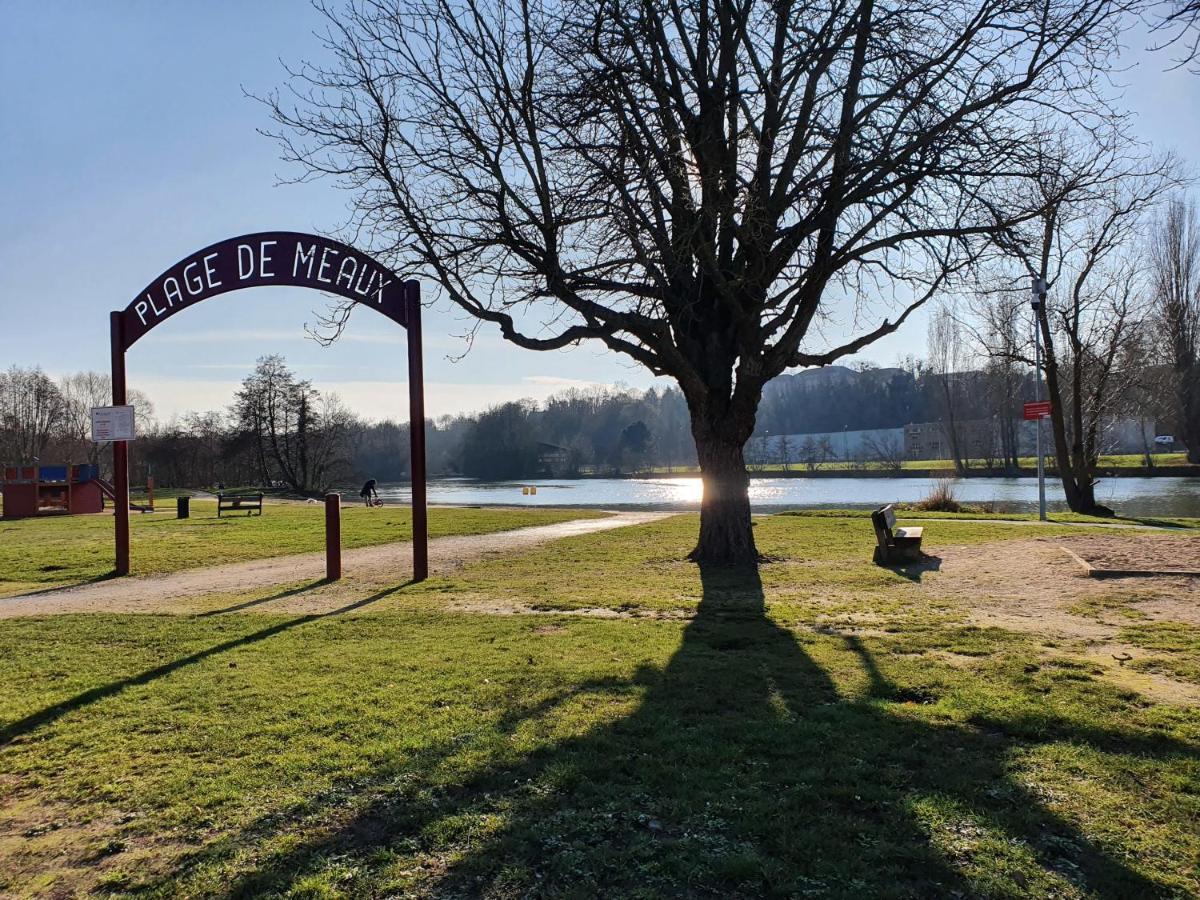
x=111 y=493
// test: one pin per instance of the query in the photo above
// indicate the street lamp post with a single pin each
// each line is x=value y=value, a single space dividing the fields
x=1039 y=297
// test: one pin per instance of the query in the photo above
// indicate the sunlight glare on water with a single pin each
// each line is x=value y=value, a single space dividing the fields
x=687 y=490
x=1130 y=496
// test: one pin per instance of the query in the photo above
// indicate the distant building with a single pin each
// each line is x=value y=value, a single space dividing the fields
x=553 y=460
x=981 y=439
x=774 y=449
x=977 y=439
x=1129 y=436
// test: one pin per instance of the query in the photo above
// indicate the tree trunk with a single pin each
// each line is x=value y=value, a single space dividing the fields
x=1076 y=477
x=1012 y=446
x=726 y=533
x=950 y=427
x=1188 y=392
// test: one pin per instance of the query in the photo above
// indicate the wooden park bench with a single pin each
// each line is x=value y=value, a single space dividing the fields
x=249 y=502
x=895 y=545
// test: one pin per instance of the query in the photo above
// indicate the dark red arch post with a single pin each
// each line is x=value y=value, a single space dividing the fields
x=277 y=258
x=416 y=434
x=120 y=448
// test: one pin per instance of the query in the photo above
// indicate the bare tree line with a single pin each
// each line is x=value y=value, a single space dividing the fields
x=41 y=416
x=280 y=431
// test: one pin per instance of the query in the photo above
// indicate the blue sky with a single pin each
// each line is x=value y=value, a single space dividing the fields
x=126 y=142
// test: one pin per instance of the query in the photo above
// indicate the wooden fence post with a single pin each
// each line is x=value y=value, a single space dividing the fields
x=333 y=537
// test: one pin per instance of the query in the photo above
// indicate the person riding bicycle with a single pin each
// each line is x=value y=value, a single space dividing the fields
x=369 y=494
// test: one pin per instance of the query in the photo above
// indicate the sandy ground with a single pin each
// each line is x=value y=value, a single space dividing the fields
x=1034 y=586
x=385 y=564
x=1155 y=552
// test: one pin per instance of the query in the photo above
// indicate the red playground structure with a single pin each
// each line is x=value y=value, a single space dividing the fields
x=56 y=490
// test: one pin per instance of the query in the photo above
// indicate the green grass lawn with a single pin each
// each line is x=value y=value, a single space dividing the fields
x=55 y=550
x=397 y=748
x=822 y=565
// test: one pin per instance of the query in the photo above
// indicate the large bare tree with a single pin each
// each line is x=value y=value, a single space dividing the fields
x=1085 y=246
x=1175 y=261
x=1000 y=331
x=81 y=391
x=696 y=184
x=299 y=435
x=31 y=411
x=947 y=369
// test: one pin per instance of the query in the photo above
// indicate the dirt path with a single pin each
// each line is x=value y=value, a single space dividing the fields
x=383 y=564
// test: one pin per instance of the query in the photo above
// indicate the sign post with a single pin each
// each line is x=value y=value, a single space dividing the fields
x=333 y=537
x=112 y=423
x=1039 y=298
x=120 y=448
x=1036 y=410
x=416 y=436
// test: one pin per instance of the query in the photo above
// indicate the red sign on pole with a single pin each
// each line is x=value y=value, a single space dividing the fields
x=1039 y=409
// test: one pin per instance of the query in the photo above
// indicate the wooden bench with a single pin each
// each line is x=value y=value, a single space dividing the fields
x=895 y=545
x=248 y=502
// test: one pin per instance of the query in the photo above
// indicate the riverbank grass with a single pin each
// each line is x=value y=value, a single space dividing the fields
x=54 y=551
x=794 y=731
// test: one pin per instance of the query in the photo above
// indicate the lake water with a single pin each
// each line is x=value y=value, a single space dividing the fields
x=1129 y=496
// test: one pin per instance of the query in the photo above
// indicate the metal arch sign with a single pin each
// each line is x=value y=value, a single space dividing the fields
x=269 y=258
x=283 y=259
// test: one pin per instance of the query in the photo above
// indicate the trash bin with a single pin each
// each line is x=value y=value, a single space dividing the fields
x=183 y=507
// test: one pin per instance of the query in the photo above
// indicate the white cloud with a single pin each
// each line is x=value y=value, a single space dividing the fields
x=380 y=338
x=556 y=382
x=233 y=334
x=233 y=367
x=247 y=367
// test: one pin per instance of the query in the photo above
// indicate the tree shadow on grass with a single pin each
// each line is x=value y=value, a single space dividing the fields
x=742 y=772
x=52 y=713
x=64 y=586
x=249 y=604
